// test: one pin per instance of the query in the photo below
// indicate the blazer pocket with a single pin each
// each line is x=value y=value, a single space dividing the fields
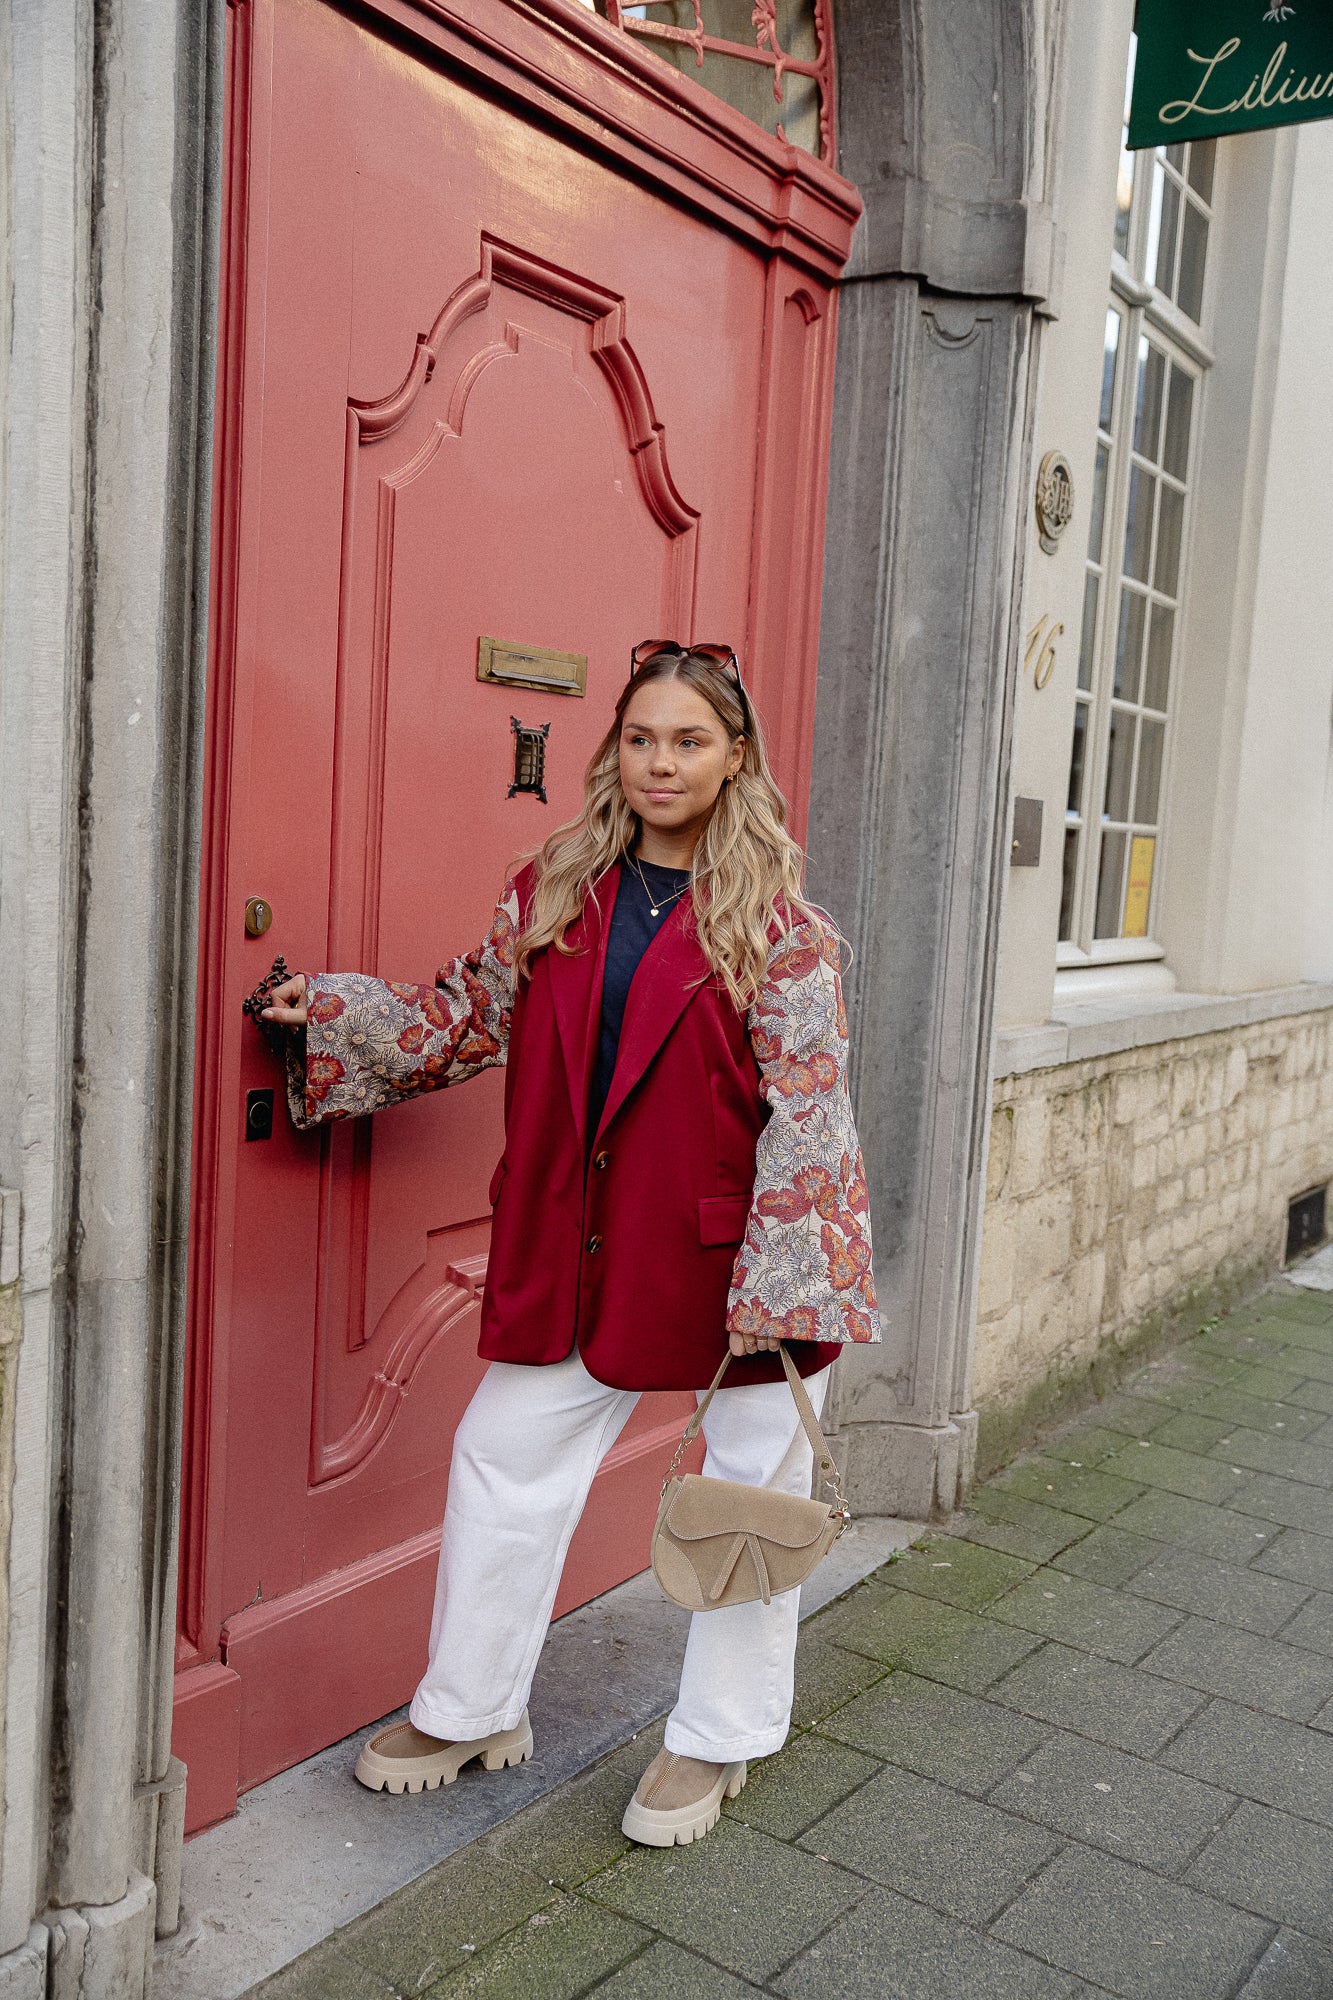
x=497 y=1182
x=722 y=1218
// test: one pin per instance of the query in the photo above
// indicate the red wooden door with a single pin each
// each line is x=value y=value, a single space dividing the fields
x=478 y=377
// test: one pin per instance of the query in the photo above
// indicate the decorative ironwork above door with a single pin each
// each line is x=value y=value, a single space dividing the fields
x=770 y=59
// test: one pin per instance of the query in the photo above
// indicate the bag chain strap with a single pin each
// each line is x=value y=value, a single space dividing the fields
x=828 y=1469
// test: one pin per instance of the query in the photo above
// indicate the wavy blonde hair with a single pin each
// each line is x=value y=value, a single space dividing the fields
x=746 y=869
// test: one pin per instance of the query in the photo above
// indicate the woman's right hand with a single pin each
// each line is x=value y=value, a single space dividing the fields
x=286 y=1003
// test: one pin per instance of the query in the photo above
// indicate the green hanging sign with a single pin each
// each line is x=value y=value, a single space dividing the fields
x=1205 y=67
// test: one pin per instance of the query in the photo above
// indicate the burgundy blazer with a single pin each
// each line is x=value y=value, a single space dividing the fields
x=627 y=1242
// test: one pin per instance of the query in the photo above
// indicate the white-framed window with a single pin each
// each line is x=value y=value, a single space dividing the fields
x=1155 y=362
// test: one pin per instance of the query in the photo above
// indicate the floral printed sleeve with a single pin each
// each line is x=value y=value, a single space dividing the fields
x=803 y=1271
x=371 y=1042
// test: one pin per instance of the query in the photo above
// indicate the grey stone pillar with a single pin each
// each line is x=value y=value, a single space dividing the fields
x=943 y=114
x=111 y=129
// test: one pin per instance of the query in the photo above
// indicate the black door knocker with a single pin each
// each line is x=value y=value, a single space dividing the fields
x=529 y=758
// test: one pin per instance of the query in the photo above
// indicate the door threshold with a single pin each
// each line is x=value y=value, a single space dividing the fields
x=311 y=1849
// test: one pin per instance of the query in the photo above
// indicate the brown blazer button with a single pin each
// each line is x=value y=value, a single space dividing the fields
x=602 y=1162
x=594 y=1245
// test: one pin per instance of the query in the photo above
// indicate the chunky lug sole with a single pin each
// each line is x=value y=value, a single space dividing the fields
x=379 y=1773
x=682 y=1824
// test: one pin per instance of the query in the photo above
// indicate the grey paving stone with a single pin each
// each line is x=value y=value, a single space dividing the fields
x=1151 y=1464
x=1324 y=1718
x=433 y=1926
x=1074 y=1490
x=665 y=1972
x=1263 y=1757
x=1189 y=1431
x=918 y=1837
x=890 y=1949
x=935 y=1639
x=1215 y=1531
x=1305 y=1558
x=1315 y=1396
x=1252 y=1341
x=575 y=1830
x=1123 y=1706
x=1136 y=1416
x=1315 y=1367
x=1107 y=1555
x=323 y=1974
x=1018 y=1527
x=785 y=1794
x=1124 y=1804
x=1277 y=1866
x=1271 y=1381
x=827 y=1674
x=1084 y=1443
x=1305 y=1335
x=1064 y=1607
x=1313 y=1624
x=558 y=1953
x=937 y=1731
x=1286 y=1501
x=1134 y=1932
x=1266 y=1414
x=1221 y=1591
x=1293 y=1968
x=739 y=1898
x=1260 y=1672
x=958 y=1572
x=1261 y=1451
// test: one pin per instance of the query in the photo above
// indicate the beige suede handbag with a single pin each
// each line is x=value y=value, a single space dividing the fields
x=718 y=1541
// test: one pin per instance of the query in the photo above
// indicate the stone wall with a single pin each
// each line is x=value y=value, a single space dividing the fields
x=1128 y=1191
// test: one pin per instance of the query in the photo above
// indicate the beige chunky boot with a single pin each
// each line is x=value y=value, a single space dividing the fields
x=679 y=1799
x=403 y=1759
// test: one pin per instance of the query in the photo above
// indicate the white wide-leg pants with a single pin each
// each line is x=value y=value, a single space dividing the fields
x=524 y=1458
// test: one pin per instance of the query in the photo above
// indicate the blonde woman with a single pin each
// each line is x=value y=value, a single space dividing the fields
x=681 y=1174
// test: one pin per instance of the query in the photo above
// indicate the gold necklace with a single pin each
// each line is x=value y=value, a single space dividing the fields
x=655 y=908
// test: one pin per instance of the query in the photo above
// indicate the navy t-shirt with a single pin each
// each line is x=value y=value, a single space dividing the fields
x=633 y=928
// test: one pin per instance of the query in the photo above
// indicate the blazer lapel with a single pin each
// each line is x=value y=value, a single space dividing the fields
x=576 y=992
x=670 y=973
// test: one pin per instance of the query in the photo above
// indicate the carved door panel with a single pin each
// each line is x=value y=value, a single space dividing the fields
x=475 y=383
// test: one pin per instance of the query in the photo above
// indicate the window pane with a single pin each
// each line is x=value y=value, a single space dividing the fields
x=1148 y=783
x=1119 y=762
x=1110 y=351
x=1097 y=511
x=1166 y=195
x=1158 y=677
x=1203 y=153
x=1138 y=523
x=1171 y=516
x=1107 y=923
x=1138 y=889
x=1175 y=157
x=1193 y=251
x=1076 y=758
x=1067 y=884
x=1129 y=645
x=1180 y=404
x=1148 y=406
x=1085 y=644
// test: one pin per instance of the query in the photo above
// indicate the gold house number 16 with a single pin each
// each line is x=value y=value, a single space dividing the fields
x=1040 y=654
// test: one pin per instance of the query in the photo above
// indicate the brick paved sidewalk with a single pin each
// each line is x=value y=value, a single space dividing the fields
x=1081 y=1745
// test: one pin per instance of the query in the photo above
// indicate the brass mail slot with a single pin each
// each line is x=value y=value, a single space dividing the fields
x=532 y=667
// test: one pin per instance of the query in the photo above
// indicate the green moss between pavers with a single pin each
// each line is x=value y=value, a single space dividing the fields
x=1006 y=1428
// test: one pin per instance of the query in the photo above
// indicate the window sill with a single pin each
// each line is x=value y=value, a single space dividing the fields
x=1124 y=979
x=1080 y=1033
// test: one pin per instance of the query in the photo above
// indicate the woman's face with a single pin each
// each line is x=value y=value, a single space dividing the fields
x=675 y=752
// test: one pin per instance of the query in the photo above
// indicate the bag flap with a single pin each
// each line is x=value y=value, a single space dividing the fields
x=703 y=1507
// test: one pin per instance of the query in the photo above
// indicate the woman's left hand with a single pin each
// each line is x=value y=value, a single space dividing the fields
x=753 y=1343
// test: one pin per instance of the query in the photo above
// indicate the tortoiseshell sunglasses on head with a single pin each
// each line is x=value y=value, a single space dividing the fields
x=718 y=655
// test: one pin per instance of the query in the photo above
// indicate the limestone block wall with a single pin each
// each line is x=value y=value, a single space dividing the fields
x=1128 y=1189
